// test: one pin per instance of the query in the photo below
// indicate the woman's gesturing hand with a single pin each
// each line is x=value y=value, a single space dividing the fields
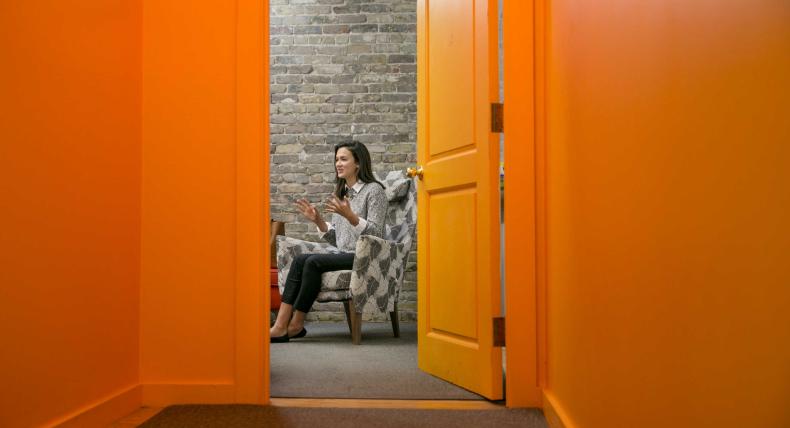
x=308 y=210
x=342 y=207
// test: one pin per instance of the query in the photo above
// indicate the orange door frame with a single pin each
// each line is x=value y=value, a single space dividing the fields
x=523 y=42
x=525 y=243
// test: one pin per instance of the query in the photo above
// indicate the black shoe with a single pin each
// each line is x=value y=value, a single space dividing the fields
x=279 y=339
x=302 y=333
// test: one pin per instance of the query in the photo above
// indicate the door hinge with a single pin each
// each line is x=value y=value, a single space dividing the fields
x=499 y=331
x=497 y=117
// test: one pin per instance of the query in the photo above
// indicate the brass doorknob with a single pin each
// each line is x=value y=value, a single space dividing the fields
x=411 y=172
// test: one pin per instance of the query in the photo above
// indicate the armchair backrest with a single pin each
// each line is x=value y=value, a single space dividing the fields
x=401 y=220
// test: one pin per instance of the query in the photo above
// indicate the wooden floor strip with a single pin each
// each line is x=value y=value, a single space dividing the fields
x=386 y=404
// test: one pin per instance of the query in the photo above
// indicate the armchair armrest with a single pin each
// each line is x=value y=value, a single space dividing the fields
x=379 y=268
x=288 y=248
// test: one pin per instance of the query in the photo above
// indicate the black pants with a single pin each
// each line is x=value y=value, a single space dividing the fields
x=304 y=279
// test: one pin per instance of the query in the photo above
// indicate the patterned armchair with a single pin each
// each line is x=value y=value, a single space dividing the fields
x=374 y=283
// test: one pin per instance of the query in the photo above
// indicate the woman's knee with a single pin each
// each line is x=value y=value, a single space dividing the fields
x=300 y=259
x=311 y=261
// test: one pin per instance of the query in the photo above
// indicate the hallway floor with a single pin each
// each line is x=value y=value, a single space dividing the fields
x=325 y=364
x=242 y=416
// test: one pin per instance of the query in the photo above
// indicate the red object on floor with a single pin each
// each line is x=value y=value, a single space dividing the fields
x=275 y=290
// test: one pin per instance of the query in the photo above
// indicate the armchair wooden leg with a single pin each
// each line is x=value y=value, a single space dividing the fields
x=395 y=321
x=347 y=307
x=356 y=327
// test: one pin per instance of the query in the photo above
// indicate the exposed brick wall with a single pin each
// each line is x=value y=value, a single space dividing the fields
x=340 y=69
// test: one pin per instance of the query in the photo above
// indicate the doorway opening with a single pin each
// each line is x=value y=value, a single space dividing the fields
x=340 y=72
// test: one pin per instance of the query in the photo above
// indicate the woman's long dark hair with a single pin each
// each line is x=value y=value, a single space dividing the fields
x=365 y=173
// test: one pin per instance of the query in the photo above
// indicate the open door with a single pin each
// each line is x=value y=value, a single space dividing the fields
x=458 y=214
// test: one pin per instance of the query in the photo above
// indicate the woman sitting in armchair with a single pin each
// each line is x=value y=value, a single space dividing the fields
x=359 y=207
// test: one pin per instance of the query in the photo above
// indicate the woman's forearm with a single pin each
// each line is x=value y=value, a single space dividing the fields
x=321 y=224
x=353 y=218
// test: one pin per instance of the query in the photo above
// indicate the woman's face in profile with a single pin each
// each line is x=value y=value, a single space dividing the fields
x=345 y=164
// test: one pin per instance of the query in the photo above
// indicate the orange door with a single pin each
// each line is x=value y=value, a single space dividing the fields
x=458 y=215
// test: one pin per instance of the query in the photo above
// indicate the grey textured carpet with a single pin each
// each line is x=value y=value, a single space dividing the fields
x=244 y=416
x=326 y=365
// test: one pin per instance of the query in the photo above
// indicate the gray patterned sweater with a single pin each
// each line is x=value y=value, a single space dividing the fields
x=371 y=204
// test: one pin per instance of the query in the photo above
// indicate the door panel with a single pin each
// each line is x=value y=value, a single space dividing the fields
x=452 y=41
x=458 y=215
x=452 y=211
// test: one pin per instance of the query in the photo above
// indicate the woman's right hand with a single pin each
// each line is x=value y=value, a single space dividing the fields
x=309 y=211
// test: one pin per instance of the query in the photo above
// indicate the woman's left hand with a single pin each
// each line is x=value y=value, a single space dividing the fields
x=343 y=208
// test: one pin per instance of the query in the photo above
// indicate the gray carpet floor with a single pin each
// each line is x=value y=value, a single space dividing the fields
x=249 y=416
x=325 y=364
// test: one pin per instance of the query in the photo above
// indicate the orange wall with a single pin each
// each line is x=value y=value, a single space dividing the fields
x=668 y=208
x=70 y=174
x=188 y=192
